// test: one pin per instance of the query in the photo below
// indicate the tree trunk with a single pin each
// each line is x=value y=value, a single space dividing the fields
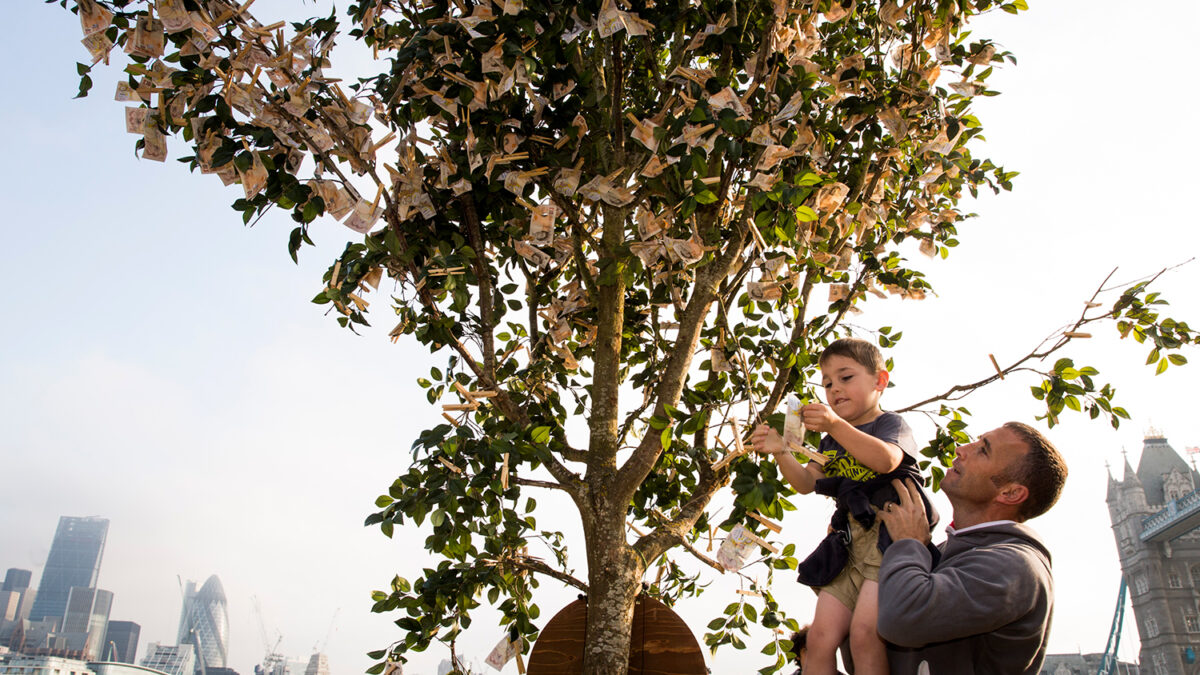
x=614 y=581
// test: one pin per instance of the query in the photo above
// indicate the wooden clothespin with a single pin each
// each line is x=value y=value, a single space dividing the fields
x=766 y=523
x=504 y=474
x=449 y=465
x=761 y=542
x=817 y=457
x=1074 y=334
x=460 y=407
x=996 y=365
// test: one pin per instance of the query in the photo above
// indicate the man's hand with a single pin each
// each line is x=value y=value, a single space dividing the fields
x=819 y=417
x=906 y=520
x=766 y=441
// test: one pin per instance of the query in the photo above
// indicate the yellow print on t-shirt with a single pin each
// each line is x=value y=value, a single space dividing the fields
x=842 y=464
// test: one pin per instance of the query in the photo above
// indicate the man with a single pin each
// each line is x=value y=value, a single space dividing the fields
x=982 y=602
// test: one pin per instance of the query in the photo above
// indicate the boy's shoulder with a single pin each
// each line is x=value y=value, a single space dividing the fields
x=886 y=421
x=890 y=427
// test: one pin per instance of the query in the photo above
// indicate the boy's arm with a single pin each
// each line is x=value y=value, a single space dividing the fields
x=874 y=453
x=802 y=477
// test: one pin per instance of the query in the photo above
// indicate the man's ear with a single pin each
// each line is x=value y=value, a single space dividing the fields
x=881 y=380
x=1012 y=494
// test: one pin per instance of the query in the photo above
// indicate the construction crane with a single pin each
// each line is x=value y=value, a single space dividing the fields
x=320 y=646
x=273 y=662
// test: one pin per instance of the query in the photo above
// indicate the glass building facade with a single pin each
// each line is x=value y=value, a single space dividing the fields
x=204 y=622
x=74 y=561
x=170 y=659
x=86 y=621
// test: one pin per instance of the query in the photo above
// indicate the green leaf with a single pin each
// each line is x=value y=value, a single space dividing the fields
x=665 y=439
x=1162 y=367
x=805 y=215
x=1177 y=359
x=540 y=435
x=706 y=197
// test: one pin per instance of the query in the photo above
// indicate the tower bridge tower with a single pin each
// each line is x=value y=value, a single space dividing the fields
x=1155 y=513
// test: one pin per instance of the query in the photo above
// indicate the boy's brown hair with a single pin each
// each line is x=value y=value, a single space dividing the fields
x=860 y=351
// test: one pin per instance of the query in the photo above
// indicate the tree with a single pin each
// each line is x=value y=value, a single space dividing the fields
x=623 y=215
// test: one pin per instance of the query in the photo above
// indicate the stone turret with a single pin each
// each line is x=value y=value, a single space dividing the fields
x=1163 y=576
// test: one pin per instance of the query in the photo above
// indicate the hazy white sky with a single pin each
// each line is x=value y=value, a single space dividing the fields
x=161 y=366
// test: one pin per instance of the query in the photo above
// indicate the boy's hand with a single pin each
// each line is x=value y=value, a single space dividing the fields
x=766 y=441
x=819 y=417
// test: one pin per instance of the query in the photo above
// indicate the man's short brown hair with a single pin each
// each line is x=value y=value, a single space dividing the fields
x=1043 y=471
x=862 y=352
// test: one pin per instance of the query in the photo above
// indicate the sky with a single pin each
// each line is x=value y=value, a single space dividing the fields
x=161 y=365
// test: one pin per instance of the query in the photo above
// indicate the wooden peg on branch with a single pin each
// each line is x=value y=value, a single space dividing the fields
x=766 y=523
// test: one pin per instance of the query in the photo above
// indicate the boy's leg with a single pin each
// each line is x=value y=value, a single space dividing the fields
x=870 y=654
x=831 y=624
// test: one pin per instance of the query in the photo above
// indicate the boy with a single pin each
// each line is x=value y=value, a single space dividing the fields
x=866 y=448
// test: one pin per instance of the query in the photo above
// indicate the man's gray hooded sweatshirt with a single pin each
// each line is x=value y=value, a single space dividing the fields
x=984 y=607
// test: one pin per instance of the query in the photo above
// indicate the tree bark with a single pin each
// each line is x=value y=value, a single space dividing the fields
x=614 y=581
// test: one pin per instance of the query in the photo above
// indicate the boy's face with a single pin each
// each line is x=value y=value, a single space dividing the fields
x=851 y=389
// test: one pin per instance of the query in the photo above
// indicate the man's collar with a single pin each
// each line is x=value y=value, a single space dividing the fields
x=950 y=530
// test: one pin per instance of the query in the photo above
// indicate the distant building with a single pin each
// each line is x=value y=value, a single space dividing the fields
x=24 y=664
x=111 y=668
x=221 y=671
x=1163 y=574
x=74 y=561
x=170 y=659
x=16 y=580
x=204 y=622
x=1082 y=664
x=121 y=641
x=86 y=621
x=16 y=599
x=318 y=664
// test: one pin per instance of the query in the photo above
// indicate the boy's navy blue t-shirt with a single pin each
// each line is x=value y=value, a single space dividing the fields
x=888 y=427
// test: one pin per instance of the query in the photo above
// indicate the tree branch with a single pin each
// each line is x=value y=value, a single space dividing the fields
x=670 y=387
x=1062 y=340
x=529 y=482
x=484 y=279
x=535 y=565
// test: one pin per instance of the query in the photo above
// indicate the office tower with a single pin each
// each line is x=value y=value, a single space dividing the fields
x=86 y=621
x=170 y=659
x=16 y=580
x=318 y=664
x=74 y=561
x=204 y=622
x=121 y=641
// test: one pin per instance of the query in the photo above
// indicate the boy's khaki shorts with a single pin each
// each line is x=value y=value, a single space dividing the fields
x=863 y=564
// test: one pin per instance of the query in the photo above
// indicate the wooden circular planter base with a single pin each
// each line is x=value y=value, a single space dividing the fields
x=660 y=644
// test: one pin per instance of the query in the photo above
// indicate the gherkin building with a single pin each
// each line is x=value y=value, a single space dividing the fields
x=204 y=623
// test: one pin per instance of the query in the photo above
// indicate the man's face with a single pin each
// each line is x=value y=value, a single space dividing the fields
x=980 y=470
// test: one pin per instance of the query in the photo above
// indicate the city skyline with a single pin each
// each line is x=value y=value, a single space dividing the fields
x=170 y=352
